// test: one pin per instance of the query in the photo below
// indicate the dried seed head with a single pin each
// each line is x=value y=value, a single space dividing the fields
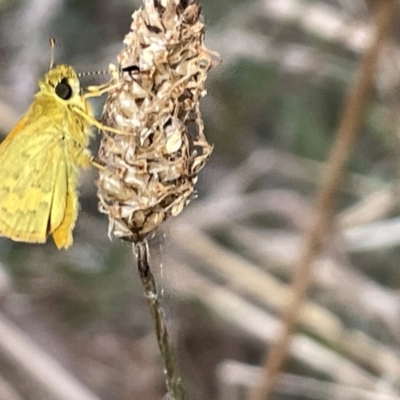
x=151 y=169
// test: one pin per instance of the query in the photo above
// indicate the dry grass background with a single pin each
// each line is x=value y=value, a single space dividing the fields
x=75 y=324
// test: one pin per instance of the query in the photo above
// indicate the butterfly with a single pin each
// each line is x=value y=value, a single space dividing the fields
x=40 y=160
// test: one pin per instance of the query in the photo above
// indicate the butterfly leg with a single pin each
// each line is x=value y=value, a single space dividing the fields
x=96 y=91
x=86 y=159
x=97 y=165
x=93 y=121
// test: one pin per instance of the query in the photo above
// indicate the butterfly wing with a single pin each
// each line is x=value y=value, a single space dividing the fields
x=31 y=160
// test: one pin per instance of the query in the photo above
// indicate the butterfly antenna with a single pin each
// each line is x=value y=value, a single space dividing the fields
x=52 y=44
x=89 y=73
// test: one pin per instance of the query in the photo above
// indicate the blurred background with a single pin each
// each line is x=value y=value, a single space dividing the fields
x=75 y=324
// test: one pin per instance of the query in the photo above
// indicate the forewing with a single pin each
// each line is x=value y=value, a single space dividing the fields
x=29 y=158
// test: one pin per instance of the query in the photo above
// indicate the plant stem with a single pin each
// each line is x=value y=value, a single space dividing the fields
x=171 y=370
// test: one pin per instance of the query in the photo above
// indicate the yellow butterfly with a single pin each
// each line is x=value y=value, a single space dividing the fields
x=40 y=160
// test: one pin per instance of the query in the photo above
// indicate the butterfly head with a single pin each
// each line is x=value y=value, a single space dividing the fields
x=63 y=82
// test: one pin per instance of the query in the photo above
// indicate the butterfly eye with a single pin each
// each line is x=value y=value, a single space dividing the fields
x=63 y=90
